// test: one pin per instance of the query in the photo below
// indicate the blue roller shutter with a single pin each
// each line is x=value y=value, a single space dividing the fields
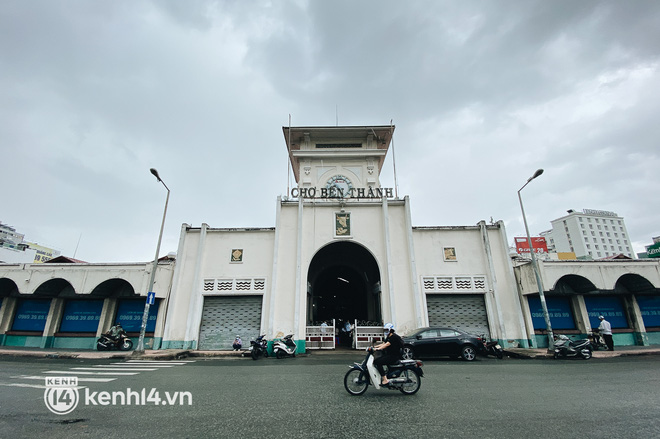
x=81 y=315
x=130 y=311
x=559 y=310
x=31 y=315
x=610 y=307
x=650 y=309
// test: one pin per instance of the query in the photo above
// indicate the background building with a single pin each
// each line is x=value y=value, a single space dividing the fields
x=13 y=249
x=590 y=234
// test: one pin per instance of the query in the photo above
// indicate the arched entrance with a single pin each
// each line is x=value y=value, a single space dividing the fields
x=343 y=283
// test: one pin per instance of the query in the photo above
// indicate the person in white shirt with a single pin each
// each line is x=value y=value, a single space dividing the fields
x=606 y=330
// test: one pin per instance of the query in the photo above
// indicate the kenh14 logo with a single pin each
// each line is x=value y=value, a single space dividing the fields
x=61 y=394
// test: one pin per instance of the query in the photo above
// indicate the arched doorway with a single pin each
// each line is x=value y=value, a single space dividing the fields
x=343 y=283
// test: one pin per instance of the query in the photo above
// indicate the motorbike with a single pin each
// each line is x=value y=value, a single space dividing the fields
x=597 y=341
x=492 y=347
x=405 y=376
x=259 y=347
x=285 y=347
x=121 y=342
x=565 y=347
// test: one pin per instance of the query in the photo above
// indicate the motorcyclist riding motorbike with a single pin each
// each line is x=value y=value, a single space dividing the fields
x=391 y=348
x=115 y=331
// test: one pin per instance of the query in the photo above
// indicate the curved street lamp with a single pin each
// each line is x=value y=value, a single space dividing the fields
x=539 y=284
x=145 y=315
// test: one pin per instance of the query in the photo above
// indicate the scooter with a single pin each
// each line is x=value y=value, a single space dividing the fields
x=259 y=347
x=285 y=347
x=106 y=343
x=492 y=348
x=565 y=347
x=405 y=376
x=597 y=341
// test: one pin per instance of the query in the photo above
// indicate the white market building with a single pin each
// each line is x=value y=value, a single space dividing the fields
x=343 y=248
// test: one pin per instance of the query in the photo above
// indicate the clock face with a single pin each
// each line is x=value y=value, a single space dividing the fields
x=341 y=185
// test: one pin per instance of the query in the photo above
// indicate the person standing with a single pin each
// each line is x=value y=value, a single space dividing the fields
x=606 y=330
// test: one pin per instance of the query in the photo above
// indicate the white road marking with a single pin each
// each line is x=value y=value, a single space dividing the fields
x=80 y=372
x=134 y=365
x=34 y=386
x=124 y=369
x=86 y=379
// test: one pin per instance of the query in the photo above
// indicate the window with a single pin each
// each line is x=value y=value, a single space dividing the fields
x=598 y=226
x=588 y=246
x=591 y=226
x=593 y=233
x=580 y=218
x=582 y=225
x=597 y=220
x=597 y=248
x=599 y=255
x=433 y=333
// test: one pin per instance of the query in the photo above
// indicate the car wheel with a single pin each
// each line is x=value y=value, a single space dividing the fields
x=468 y=353
x=407 y=353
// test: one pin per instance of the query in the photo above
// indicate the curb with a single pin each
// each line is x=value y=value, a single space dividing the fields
x=531 y=355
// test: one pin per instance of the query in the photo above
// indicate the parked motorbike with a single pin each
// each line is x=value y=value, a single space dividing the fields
x=565 y=347
x=121 y=342
x=259 y=347
x=492 y=347
x=285 y=347
x=597 y=341
x=405 y=376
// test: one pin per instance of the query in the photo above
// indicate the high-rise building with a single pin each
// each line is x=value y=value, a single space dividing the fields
x=590 y=234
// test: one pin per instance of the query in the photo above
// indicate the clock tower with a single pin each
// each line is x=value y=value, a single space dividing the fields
x=338 y=162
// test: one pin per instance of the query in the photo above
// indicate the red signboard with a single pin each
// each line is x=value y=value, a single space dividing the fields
x=538 y=243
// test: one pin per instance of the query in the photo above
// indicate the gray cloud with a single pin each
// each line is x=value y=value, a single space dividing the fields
x=482 y=94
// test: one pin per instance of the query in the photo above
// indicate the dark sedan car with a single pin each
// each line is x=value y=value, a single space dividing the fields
x=441 y=342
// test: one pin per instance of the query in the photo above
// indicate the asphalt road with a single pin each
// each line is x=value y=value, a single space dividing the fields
x=304 y=398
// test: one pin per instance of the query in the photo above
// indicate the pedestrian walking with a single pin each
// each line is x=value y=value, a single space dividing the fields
x=606 y=331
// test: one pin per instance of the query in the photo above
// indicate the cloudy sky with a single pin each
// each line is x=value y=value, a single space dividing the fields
x=93 y=94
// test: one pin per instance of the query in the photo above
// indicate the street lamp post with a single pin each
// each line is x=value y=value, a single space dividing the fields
x=145 y=315
x=535 y=266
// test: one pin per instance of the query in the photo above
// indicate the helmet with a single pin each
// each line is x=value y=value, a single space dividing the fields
x=388 y=327
x=601 y=317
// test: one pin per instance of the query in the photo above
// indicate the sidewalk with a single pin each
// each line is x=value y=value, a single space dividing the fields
x=178 y=354
x=622 y=351
x=157 y=355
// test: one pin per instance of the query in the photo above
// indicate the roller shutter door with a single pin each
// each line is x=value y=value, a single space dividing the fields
x=223 y=318
x=466 y=312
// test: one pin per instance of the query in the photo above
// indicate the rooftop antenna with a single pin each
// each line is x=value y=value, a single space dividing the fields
x=288 y=173
x=76 y=250
x=396 y=184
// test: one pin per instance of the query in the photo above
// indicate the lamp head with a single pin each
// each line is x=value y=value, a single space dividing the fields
x=537 y=173
x=155 y=173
